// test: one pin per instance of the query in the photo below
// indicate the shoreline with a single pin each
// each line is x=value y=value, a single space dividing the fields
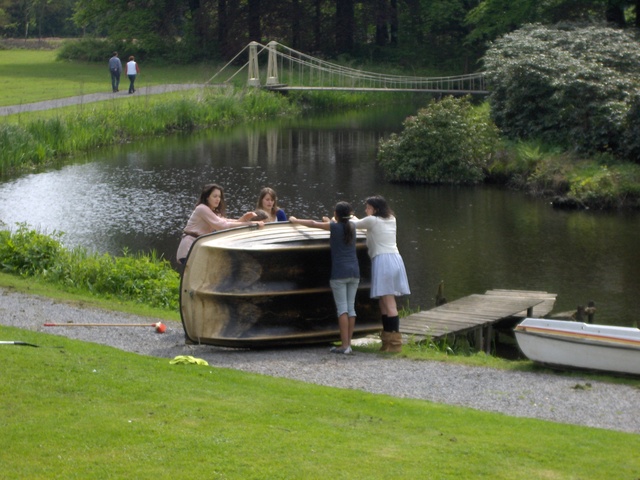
x=563 y=399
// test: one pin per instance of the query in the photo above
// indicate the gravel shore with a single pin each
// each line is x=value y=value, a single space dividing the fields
x=550 y=397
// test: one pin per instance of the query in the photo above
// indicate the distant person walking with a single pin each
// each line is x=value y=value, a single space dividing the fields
x=115 y=68
x=132 y=72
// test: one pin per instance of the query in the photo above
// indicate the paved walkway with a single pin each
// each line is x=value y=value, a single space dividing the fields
x=94 y=97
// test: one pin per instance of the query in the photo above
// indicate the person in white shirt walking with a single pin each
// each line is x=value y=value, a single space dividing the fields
x=132 y=72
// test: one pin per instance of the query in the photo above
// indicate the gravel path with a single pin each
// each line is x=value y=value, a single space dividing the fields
x=536 y=395
x=93 y=97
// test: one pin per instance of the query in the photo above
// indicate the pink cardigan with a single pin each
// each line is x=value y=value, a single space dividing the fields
x=201 y=222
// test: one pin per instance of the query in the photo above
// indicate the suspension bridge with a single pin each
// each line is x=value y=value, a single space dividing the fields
x=288 y=69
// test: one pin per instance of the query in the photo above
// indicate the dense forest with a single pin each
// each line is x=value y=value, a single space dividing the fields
x=441 y=33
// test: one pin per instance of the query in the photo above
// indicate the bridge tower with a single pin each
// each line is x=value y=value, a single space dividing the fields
x=272 y=64
x=254 y=72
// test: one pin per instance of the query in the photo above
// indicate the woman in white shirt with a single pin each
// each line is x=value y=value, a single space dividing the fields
x=388 y=274
x=132 y=72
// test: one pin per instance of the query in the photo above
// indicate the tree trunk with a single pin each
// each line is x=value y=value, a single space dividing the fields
x=295 y=24
x=382 y=23
x=393 y=23
x=345 y=24
x=317 y=25
x=615 y=15
x=255 y=33
x=223 y=33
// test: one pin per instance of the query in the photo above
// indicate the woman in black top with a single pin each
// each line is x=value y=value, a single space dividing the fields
x=345 y=271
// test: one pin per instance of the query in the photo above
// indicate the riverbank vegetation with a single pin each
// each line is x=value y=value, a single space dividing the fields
x=452 y=142
x=567 y=116
x=143 y=278
x=40 y=138
x=38 y=141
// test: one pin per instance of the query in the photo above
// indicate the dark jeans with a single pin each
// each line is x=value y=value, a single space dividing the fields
x=115 y=79
x=132 y=80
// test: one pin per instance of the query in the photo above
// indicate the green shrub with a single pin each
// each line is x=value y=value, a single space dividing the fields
x=449 y=141
x=146 y=279
x=88 y=50
x=606 y=187
x=28 y=252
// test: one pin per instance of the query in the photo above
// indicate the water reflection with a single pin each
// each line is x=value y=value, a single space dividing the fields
x=139 y=197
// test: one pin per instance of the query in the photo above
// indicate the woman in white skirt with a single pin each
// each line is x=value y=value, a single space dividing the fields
x=388 y=275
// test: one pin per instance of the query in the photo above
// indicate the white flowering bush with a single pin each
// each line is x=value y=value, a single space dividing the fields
x=570 y=85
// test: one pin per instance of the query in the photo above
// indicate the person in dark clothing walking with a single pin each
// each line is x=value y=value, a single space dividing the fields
x=115 y=68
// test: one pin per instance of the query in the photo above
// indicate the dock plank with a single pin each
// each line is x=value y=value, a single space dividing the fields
x=473 y=312
x=539 y=310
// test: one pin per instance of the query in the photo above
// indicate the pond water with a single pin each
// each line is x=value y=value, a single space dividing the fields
x=139 y=196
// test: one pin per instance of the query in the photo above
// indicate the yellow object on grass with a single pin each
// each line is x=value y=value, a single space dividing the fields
x=186 y=359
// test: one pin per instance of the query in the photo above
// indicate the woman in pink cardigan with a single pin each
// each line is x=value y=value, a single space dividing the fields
x=209 y=216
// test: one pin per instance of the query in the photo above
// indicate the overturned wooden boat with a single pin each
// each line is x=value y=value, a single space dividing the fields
x=567 y=344
x=251 y=287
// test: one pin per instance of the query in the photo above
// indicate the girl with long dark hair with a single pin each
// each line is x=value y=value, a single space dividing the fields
x=388 y=274
x=345 y=271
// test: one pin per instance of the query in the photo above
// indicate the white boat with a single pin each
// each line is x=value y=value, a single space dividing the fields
x=567 y=344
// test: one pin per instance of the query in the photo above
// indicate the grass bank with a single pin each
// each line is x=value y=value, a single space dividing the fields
x=36 y=139
x=569 y=180
x=40 y=139
x=146 y=279
x=150 y=419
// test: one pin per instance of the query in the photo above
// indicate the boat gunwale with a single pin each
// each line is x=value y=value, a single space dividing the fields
x=271 y=293
x=607 y=342
x=252 y=237
x=579 y=329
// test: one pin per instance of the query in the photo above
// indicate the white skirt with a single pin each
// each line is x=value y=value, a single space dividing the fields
x=388 y=276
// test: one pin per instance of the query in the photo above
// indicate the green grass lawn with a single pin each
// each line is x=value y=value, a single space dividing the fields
x=88 y=411
x=82 y=410
x=28 y=76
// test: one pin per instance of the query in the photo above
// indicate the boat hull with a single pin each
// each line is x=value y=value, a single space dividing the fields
x=249 y=287
x=567 y=344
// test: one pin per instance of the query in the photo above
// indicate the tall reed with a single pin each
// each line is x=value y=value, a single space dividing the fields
x=42 y=140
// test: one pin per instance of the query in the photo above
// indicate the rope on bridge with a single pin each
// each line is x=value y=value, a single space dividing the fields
x=289 y=69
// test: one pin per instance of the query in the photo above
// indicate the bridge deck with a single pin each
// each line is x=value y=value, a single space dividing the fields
x=285 y=88
x=476 y=313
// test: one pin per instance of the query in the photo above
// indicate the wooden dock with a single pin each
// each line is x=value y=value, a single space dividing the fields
x=476 y=314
